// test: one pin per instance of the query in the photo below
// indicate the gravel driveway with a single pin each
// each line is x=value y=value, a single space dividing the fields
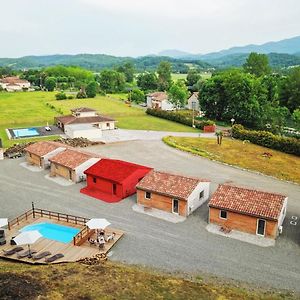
x=187 y=246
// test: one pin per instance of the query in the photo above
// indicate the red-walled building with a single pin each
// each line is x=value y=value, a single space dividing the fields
x=113 y=180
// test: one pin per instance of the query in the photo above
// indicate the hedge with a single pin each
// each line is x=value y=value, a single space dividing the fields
x=267 y=139
x=178 y=118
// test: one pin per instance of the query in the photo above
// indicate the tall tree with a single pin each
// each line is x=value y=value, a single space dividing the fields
x=91 y=89
x=128 y=70
x=164 y=76
x=178 y=94
x=257 y=64
x=50 y=84
x=290 y=90
x=192 y=78
x=111 y=81
x=147 y=81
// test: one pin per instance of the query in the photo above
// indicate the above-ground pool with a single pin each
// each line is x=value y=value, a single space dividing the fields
x=25 y=132
x=60 y=233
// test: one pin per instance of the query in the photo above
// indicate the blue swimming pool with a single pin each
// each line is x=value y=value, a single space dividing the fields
x=60 y=233
x=25 y=132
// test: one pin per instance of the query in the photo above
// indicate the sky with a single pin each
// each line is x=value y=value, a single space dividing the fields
x=141 y=27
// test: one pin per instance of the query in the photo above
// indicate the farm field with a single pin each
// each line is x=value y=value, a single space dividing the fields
x=38 y=108
x=248 y=156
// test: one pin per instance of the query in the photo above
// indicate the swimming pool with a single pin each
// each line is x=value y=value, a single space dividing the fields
x=60 y=233
x=25 y=132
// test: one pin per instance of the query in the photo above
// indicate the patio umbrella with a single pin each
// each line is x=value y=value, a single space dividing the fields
x=3 y=222
x=97 y=223
x=27 y=238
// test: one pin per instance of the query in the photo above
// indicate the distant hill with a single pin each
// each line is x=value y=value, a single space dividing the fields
x=175 y=53
x=97 y=62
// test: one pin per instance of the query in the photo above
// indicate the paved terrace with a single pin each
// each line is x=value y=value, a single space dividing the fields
x=186 y=246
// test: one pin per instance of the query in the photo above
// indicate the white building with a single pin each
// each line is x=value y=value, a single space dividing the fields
x=14 y=84
x=159 y=100
x=193 y=102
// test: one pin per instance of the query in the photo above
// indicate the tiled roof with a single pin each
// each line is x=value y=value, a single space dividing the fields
x=172 y=185
x=114 y=170
x=247 y=201
x=43 y=147
x=195 y=94
x=158 y=96
x=83 y=120
x=82 y=109
x=13 y=80
x=72 y=158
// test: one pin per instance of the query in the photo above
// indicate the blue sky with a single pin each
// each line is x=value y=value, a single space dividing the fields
x=133 y=28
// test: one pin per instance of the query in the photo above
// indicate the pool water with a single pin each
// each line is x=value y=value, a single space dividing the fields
x=60 y=233
x=25 y=132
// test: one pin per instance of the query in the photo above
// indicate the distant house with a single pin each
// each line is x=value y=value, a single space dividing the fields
x=193 y=102
x=112 y=180
x=84 y=122
x=159 y=100
x=248 y=210
x=172 y=193
x=39 y=153
x=14 y=84
x=71 y=164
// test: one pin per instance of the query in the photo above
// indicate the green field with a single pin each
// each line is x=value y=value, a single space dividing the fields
x=38 y=108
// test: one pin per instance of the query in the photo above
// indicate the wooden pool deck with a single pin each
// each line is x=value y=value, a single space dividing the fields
x=71 y=252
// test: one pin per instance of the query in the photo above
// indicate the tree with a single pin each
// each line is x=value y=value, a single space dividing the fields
x=178 y=94
x=219 y=135
x=81 y=94
x=147 y=81
x=296 y=116
x=290 y=90
x=50 y=84
x=91 y=89
x=164 y=76
x=257 y=64
x=137 y=96
x=128 y=70
x=111 y=81
x=192 y=78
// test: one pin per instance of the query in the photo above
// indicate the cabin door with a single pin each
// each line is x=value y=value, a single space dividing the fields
x=261 y=227
x=175 y=206
x=114 y=189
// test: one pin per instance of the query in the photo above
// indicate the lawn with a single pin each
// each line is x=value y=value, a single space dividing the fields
x=245 y=155
x=37 y=108
x=114 y=281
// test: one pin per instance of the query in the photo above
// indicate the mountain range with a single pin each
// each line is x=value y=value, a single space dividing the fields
x=281 y=54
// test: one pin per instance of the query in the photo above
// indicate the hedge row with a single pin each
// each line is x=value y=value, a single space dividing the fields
x=177 y=117
x=267 y=139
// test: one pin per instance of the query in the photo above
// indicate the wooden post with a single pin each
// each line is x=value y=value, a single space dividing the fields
x=33 y=211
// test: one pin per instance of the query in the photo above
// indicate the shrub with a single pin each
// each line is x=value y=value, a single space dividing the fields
x=61 y=96
x=70 y=97
x=81 y=95
x=267 y=139
x=178 y=118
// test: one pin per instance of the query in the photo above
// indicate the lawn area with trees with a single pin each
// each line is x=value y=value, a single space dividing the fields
x=37 y=108
x=256 y=158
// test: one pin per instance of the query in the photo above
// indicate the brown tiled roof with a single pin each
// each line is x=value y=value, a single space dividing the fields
x=72 y=158
x=159 y=96
x=13 y=80
x=82 y=109
x=83 y=120
x=247 y=201
x=43 y=147
x=172 y=185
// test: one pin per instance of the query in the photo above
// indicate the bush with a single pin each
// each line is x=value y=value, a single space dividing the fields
x=70 y=97
x=81 y=95
x=178 y=118
x=61 y=96
x=137 y=96
x=267 y=139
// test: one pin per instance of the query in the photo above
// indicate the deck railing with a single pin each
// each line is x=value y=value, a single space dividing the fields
x=82 y=236
x=17 y=220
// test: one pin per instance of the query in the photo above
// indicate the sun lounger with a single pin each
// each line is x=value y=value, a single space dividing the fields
x=41 y=255
x=26 y=253
x=54 y=258
x=12 y=251
x=2 y=237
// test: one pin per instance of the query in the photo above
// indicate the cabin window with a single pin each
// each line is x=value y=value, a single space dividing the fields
x=30 y=155
x=201 y=195
x=147 y=195
x=107 y=124
x=223 y=214
x=94 y=179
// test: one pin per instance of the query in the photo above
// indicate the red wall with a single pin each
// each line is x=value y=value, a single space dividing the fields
x=124 y=190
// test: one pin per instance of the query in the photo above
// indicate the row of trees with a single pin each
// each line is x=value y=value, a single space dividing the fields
x=253 y=96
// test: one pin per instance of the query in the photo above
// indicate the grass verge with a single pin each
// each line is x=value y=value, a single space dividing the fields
x=113 y=281
x=245 y=155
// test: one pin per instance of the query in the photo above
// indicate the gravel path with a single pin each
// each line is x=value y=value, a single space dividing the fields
x=185 y=246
